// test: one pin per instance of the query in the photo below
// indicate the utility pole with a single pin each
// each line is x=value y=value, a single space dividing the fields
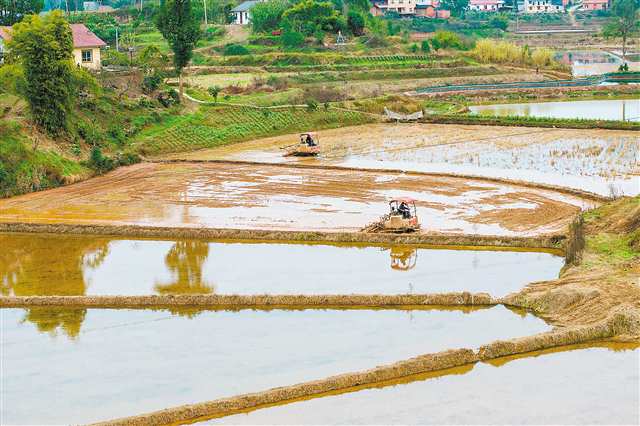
x=204 y=4
x=117 y=45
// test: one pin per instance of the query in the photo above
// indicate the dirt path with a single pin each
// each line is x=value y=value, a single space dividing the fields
x=219 y=195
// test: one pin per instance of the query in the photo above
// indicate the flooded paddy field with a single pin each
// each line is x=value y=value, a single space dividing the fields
x=252 y=196
x=103 y=364
x=599 y=161
x=614 y=109
x=597 y=385
x=31 y=265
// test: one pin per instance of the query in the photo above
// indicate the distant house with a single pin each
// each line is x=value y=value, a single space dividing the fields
x=242 y=12
x=595 y=5
x=401 y=7
x=421 y=8
x=486 y=5
x=544 y=6
x=86 y=45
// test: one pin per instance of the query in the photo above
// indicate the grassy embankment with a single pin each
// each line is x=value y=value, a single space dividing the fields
x=213 y=126
x=25 y=169
x=603 y=278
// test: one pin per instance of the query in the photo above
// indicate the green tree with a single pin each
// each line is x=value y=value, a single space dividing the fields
x=266 y=16
x=307 y=15
x=624 y=22
x=179 y=26
x=214 y=91
x=355 y=21
x=457 y=7
x=12 y=11
x=424 y=46
x=43 y=48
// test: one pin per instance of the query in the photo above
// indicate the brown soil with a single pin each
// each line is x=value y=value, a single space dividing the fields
x=249 y=196
x=213 y=301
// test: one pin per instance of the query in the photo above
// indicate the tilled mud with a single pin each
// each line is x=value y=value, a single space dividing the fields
x=244 y=196
x=591 y=160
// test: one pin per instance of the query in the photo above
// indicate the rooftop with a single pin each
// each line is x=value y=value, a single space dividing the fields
x=244 y=6
x=82 y=36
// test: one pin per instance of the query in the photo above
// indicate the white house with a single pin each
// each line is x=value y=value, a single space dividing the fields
x=486 y=5
x=543 y=6
x=86 y=45
x=242 y=12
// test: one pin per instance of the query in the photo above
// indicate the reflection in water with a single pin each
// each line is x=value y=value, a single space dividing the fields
x=129 y=362
x=37 y=265
x=46 y=265
x=185 y=260
x=53 y=319
x=403 y=258
x=618 y=109
x=578 y=384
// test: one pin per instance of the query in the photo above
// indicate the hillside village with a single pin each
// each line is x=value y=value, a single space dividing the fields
x=350 y=212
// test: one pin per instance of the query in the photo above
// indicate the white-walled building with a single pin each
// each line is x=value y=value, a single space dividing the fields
x=86 y=45
x=242 y=12
x=543 y=6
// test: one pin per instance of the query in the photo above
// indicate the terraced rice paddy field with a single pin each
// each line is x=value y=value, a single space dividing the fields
x=28 y=267
x=599 y=161
x=232 y=196
x=141 y=329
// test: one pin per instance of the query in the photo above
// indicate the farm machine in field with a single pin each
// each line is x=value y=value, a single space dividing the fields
x=402 y=217
x=307 y=147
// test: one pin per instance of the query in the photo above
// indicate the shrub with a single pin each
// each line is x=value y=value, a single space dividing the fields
x=542 y=57
x=292 y=39
x=424 y=46
x=150 y=83
x=266 y=16
x=447 y=40
x=355 y=22
x=414 y=48
x=499 y=21
x=312 y=105
x=99 y=162
x=235 y=50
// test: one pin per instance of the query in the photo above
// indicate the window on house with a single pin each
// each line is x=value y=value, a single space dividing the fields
x=87 y=56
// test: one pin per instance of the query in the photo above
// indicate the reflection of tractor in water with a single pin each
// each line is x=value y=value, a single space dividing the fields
x=309 y=146
x=403 y=258
x=402 y=217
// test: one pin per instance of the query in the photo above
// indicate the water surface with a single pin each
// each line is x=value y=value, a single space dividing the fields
x=79 y=366
x=31 y=265
x=617 y=109
x=587 y=386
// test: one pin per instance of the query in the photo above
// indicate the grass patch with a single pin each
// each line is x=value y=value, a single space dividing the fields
x=567 y=123
x=213 y=126
x=613 y=248
x=23 y=169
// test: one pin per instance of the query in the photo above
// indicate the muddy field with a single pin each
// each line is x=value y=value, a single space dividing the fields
x=281 y=198
x=600 y=161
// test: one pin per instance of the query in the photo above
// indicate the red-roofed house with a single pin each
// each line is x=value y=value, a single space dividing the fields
x=595 y=5
x=86 y=45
